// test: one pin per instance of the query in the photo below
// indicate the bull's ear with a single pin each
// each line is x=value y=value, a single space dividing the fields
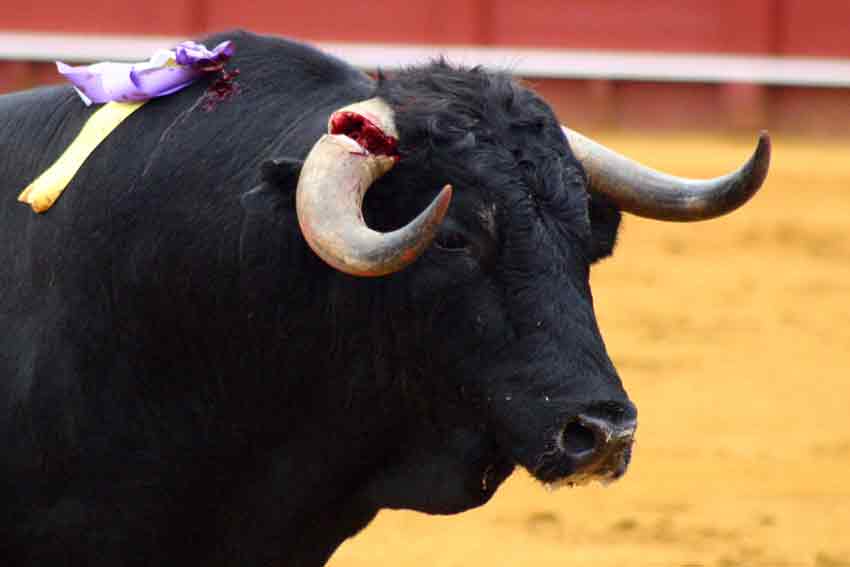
x=604 y=225
x=276 y=191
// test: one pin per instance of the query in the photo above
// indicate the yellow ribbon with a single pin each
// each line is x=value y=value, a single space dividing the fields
x=46 y=189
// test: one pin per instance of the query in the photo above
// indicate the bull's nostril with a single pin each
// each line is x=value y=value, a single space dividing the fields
x=578 y=440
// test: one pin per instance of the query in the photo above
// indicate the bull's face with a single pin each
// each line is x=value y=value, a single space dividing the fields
x=503 y=358
x=505 y=288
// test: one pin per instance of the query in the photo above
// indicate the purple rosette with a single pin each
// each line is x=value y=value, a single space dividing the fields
x=197 y=55
x=166 y=72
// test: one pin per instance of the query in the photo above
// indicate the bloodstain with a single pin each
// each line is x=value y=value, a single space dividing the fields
x=364 y=132
x=220 y=90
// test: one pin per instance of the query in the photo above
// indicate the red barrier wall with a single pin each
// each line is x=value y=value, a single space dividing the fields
x=805 y=27
x=158 y=17
x=764 y=27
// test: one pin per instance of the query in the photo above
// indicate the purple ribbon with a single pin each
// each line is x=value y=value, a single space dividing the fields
x=166 y=72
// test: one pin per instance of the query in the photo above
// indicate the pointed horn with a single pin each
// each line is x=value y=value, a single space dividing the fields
x=645 y=192
x=342 y=165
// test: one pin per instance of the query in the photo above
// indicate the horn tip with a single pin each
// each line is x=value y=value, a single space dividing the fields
x=761 y=158
x=764 y=144
x=442 y=202
x=445 y=195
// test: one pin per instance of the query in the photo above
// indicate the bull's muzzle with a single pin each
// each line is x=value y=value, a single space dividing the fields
x=597 y=444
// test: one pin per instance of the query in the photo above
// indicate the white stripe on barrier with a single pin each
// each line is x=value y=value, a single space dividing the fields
x=542 y=63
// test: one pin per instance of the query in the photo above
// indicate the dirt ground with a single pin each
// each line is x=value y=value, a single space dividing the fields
x=733 y=339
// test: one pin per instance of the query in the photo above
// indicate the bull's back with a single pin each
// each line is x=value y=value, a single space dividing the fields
x=177 y=164
x=158 y=199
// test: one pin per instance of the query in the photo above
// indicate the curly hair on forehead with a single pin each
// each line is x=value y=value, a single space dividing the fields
x=476 y=125
x=442 y=103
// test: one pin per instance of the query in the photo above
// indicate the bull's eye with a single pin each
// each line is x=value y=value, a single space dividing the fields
x=469 y=244
x=451 y=240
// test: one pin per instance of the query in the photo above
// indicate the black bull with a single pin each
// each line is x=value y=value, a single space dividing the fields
x=182 y=380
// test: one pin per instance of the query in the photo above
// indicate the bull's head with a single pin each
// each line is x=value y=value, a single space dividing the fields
x=501 y=299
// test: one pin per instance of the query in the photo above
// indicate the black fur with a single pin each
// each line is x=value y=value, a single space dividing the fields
x=183 y=381
x=276 y=191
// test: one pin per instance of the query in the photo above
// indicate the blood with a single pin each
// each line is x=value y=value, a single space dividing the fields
x=221 y=89
x=364 y=132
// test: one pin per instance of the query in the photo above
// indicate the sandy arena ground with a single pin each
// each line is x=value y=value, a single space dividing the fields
x=733 y=339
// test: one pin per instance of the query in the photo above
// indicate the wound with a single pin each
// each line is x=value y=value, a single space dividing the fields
x=220 y=90
x=365 y=133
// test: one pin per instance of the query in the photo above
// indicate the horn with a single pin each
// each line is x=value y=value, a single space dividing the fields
x=642 y=191
x=358 y=149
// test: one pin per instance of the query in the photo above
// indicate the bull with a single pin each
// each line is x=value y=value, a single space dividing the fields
x=217 y=348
